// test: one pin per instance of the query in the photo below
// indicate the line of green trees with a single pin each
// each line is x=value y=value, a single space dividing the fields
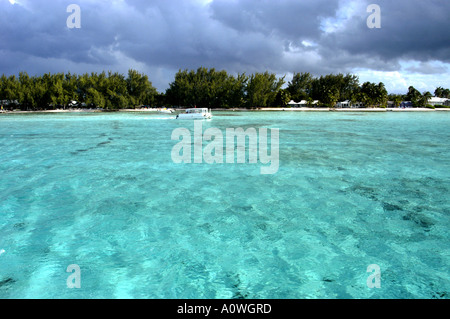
x=217 y=89
x=101 y=90
x=201 y=88
x=330 y=89
x=207 y=88
x=210 y=88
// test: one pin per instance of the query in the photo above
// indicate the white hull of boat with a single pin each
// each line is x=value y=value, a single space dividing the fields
x=195 y=114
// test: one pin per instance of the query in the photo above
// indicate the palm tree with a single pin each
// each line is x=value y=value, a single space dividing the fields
x=426 y=97
x=364 y=99
x=414 y=96
x=446 y=93
x=439 y=92
x=397 y=100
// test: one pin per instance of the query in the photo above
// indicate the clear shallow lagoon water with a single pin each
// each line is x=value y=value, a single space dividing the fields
x=101 y=191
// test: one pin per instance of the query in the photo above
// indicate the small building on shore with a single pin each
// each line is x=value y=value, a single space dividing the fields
x=405 y=104
x=349 y=104
x=402 y=104
x=438 y=101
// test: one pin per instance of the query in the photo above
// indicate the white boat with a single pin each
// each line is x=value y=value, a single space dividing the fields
x=195 y=114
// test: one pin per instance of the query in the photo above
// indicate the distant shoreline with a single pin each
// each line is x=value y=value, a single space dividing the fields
x=303 y=109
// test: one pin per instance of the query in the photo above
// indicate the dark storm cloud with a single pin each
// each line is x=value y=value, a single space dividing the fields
x=318 y=36
x=409 y=29
x=427 y=68
x=38 y=29
x=294 y=19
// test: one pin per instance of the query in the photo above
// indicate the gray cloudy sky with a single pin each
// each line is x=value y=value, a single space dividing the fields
x=159 y=37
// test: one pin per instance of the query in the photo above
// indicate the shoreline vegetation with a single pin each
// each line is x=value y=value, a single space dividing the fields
x=207 y=88
x=178 y=110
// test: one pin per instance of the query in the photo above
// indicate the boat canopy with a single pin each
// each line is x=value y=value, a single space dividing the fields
x=200 y=110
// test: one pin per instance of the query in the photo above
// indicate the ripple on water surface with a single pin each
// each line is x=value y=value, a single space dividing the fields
x=101 y=191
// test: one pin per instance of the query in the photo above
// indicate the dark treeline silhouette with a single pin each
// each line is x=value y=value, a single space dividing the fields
x=201 y=88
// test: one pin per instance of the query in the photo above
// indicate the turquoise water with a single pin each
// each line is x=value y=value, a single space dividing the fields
x=101 y=191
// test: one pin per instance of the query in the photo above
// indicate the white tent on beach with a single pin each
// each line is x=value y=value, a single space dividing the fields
x=302 y=103
x=293 y=103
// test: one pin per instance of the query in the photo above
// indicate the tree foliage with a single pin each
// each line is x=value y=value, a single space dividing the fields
x=300 y=86
x=328 y=89
x=442 y=93
x=50 y=91
x=373 y=94
x=202 y=88
x=262 y=89
x=414 y=96
x=206 y=88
